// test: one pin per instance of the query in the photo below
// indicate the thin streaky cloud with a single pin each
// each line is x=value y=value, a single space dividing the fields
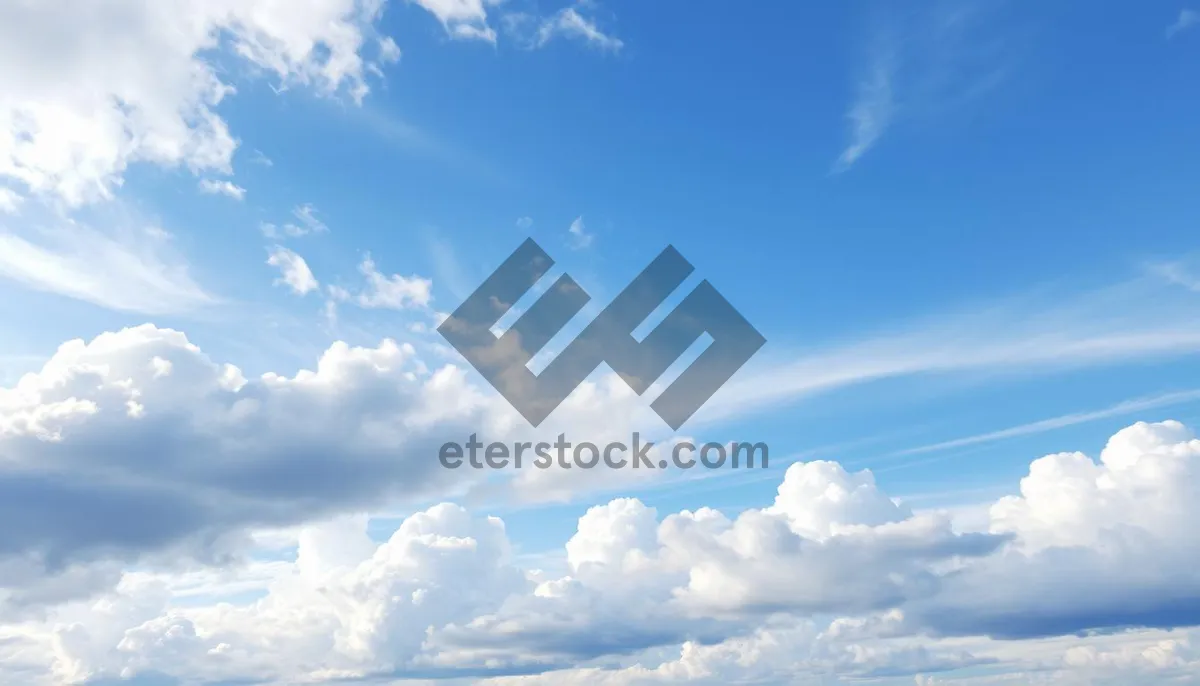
x=571 y=24
x=1176 y=273
x=871 y=113
x=419 y=142
x=122 y=269
x=259 y=158
x=1187 y=19
x=1120 y=409
x=920 y=63
x=1141 y=319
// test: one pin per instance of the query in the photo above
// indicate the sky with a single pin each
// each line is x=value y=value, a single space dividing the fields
x=229 y=230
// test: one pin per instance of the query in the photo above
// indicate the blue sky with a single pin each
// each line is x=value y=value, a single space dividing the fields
x=966 y=230
x=1007 y=164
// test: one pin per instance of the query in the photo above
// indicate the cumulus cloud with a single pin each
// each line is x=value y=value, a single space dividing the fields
x=463 y=18
x=95 y=86
x=137 y=441
x=394 y=292
x=294 y=271
x=92 y=88
x=10 y=200
x=134 y=461
x=1083 y=533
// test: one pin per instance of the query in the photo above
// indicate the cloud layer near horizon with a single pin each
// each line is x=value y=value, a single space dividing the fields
x=135 y=463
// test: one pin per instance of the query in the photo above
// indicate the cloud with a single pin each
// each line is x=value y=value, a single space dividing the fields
x=137 y=443
x=140 y=84
x=259 y=158
x=389 y=52
x=469 y=20
x=921 y=62
x=569 y=23
x=525 y=223
x=295 y=272
x=10 y=200
x=535 y=31
x=132 y=268
x=137 y=84
x=872 y=111
x=1187 y=20
x=1123 y=408
x=306 y=223
x=833 y=580
x=213 y=187
x=1043 y=332
x=580 y=238
x=395 y=292
x=1083 y=534
x=462 y=18
x=1177 y=273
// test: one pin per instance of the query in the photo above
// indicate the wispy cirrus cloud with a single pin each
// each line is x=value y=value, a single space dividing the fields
x=306 y=222
x=575 y=22
x=120 y=261
x=226 y=188
x=919 y=62
x=471 y=20
x=1187 y=19
x=569 y=23
x=1127 y=407
x=872 y=111
x=1138 y=319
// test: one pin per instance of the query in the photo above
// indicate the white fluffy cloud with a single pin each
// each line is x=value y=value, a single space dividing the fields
x=136 y=442
x=141 y=470
x=394 y=292
x=294 y=271
x=9 y=200
x=463 y=18
x=1084 y=534
x=91 y=87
